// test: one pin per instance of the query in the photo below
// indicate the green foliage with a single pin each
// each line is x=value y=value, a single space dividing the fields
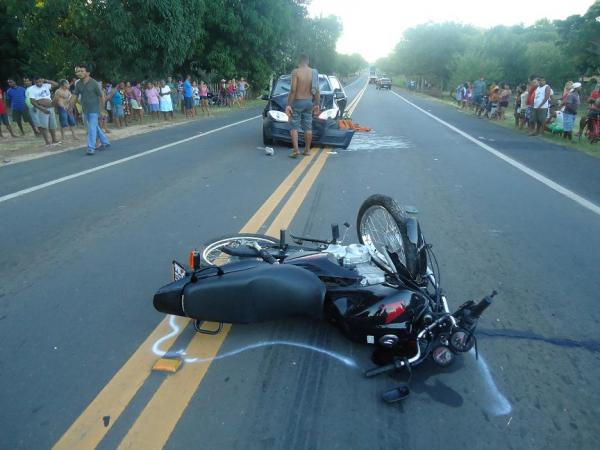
x=450 y=53
x=145 y=39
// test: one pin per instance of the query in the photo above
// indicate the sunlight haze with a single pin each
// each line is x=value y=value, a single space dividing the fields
x=373 y=28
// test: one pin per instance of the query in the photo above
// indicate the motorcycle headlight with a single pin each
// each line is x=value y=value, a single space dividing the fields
x=328 y=114
x=278 y=116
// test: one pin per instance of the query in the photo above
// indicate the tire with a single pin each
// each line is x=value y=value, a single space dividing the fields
x=267 y=140
x=211 y=255
x=382 y=207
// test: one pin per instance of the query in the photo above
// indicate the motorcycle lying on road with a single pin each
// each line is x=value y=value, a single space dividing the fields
x=381 y=291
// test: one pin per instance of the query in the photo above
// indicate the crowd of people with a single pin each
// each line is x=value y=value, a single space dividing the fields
x=536 y=106
x=46 y=106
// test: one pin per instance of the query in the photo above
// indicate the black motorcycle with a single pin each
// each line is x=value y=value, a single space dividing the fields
x=381 y=291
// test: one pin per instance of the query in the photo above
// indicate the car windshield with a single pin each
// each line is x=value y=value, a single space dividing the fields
x=335 y=84
x=283 y=85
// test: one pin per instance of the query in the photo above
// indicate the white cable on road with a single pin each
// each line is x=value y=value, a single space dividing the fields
x=38 y=187
x=522 y=167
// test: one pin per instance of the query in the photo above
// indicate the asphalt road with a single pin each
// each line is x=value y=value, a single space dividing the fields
x=81 y=259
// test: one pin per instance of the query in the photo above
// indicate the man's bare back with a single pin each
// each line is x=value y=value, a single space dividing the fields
x=303 y=81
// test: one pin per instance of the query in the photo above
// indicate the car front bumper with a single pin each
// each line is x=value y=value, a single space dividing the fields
x=325 y=133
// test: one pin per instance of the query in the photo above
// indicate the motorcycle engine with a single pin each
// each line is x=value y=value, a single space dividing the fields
x=357 y=257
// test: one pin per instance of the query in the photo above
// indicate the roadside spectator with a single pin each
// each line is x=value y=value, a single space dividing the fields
x=570 y=112
x=223 y=93
x=188 y=97
x=195 y=96
x=243 y=87
x=491 y=111
x=203 y=91
x=230 y=92
x=31 y=110
x=103 y=114
x=503 y=103
x=4 y=116
x=566 y=92
x=593 y=112
x=91 y=101
x=180 y=102
x=523 y=105
x=62 y=102
x=533 y=85
x=166 y=100
x=108 y=89
x=135 y=100
x=41 y=100
x=479 y=89
x=15 y=95
x=173 y=88
x=116 y=98
x=540 y=106
x=464 y=96
x=153 y=101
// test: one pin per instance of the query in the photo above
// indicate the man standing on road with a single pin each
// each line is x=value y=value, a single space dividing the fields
x=540 y=106
x=92 y=101
x=303 y=100
x=41 y=99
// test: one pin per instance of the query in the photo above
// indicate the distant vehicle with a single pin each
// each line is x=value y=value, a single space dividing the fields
x=384 y=83
x=276 y=125
x=372 y=75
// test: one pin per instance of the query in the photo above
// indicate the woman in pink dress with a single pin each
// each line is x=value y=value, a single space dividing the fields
x=153 y=102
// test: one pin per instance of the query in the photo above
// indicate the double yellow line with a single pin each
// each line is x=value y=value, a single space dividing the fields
x=159 y=417
x=354 y=103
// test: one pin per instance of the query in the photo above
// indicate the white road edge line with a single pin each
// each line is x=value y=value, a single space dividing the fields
x=38 y=187
x=523 y=168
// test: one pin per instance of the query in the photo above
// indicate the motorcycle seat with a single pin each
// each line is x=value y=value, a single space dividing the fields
x=258 y=294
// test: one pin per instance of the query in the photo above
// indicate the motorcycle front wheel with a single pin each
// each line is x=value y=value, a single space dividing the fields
x=381 y=225
x=212 y=252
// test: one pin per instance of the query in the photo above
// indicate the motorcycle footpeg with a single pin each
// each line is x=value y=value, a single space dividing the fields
x=396 y=365
x=397 y=394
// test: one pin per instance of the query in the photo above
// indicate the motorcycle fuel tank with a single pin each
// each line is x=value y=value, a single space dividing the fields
x=375 y=311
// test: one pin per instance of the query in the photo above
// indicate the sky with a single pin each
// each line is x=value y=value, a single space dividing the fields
x=373 y=28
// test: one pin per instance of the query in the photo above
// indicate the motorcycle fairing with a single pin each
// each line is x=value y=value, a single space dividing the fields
x=259 y=293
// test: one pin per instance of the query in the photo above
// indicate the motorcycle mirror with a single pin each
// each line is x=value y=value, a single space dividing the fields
x=461 y=341
x=396 y=394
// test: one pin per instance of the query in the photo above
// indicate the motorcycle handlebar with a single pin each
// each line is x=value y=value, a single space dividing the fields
x=480 y=307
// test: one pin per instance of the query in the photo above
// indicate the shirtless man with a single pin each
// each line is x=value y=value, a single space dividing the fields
x=302 y=104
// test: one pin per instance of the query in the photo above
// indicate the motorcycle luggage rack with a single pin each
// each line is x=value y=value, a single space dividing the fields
x=199 y=329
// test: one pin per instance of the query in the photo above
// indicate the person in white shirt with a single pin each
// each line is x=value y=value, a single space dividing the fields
x=541 y=103
x=40 y=96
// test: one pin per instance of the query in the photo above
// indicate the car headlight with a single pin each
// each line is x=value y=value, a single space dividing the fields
x=329 y=114
x=278 y=116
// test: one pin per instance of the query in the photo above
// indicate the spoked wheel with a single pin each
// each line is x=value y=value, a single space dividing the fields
x=381 y=228
x=213 y=254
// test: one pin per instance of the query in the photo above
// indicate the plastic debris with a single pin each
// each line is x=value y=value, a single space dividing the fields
x=269 y=151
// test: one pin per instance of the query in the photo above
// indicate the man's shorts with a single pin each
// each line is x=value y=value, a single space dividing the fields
x=44 y=120
x=540 y=115
x=4 y=119
x=477 y=99
x=302 y=114
x=134 y=104
x=118 y=111
x=22 y=115
x=188 y=102
x=66 y=120
x=33 y=116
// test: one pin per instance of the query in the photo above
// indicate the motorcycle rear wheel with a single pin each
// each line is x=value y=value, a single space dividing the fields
x=212 y=254
x=381 y=224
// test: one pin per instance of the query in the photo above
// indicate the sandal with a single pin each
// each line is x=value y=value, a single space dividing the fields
x=294 y=155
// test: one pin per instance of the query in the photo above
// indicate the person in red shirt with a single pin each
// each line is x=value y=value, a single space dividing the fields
x=4 y=116
x=593 y=109
x=533 y=85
